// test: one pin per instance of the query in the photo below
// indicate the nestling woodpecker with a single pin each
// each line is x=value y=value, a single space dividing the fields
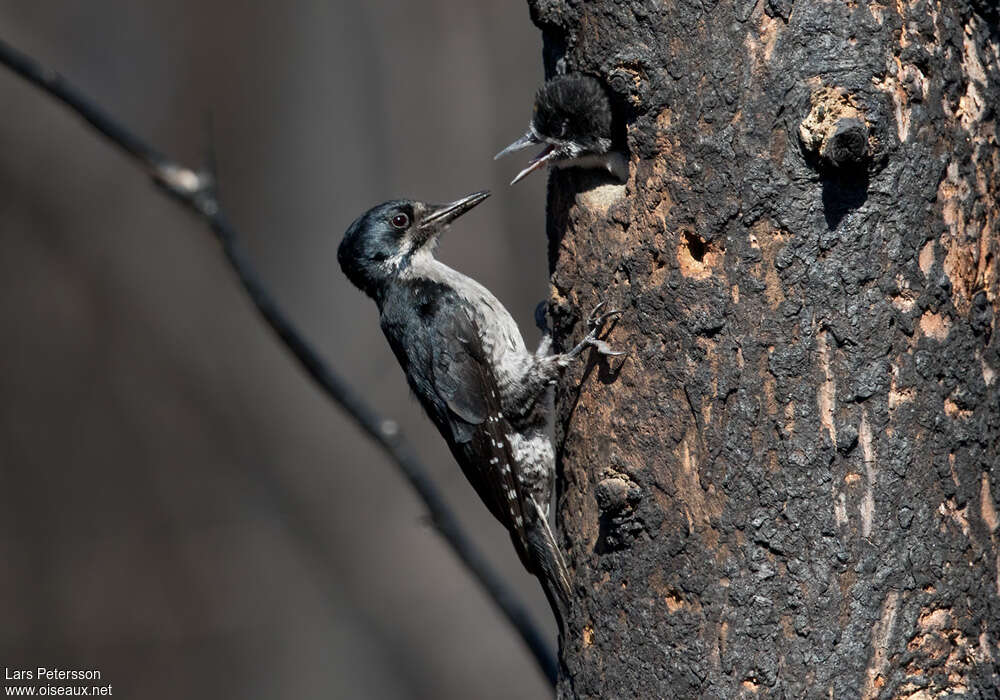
x=572 y=117
x=466 y=361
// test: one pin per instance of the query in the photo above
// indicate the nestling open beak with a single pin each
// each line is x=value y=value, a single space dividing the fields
x=443 y=214
x=529 y=139
x=535 y=163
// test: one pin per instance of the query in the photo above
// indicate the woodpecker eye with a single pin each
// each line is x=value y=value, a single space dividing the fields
x=400 y=221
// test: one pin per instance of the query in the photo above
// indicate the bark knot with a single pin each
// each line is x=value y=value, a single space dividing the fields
x=835 y=132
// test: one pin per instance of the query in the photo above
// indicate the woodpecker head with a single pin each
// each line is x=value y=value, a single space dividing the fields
x=384 y=240
x=571 y=119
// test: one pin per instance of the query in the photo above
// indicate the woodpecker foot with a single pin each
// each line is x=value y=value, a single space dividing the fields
x=595 y=322
x=596 y=319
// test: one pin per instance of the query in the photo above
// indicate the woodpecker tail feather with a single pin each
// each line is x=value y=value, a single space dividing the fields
x=552 y=557
x=548 y=563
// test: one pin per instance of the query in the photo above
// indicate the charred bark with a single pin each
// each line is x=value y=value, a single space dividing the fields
x=789 y=487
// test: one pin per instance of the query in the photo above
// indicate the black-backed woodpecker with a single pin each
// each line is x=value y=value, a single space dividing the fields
x=572 y=118
x=467 y=363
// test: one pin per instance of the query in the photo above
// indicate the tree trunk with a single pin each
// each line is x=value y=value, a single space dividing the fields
x=789 y=486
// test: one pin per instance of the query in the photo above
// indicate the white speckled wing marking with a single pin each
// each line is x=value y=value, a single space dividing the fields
x=463 y=378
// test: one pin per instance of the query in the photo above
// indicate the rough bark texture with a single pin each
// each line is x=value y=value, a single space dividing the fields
x=789 y=487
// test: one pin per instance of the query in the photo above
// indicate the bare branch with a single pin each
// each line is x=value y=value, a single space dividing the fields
x=196 y=191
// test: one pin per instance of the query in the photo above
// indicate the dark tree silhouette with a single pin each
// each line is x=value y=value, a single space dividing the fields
x=789 y=486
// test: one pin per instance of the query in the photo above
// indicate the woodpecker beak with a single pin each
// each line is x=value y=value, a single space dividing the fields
x=441 y=215
x=535 y=163
x=529 y=139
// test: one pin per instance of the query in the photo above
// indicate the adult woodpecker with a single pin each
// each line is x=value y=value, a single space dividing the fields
x=572 y=118
x=465 y=360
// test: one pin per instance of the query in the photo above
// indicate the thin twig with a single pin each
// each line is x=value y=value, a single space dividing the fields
x=196 y=191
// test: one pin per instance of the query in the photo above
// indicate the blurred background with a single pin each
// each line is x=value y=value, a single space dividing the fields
x=162 y=459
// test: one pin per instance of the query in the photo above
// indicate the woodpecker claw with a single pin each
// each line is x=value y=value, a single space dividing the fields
x=595 y=322
x=597 y=319
x=596 y=309
x=604 y=349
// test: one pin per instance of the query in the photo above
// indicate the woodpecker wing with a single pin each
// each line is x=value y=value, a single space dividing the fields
x=432 y=330
x=464 y=379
